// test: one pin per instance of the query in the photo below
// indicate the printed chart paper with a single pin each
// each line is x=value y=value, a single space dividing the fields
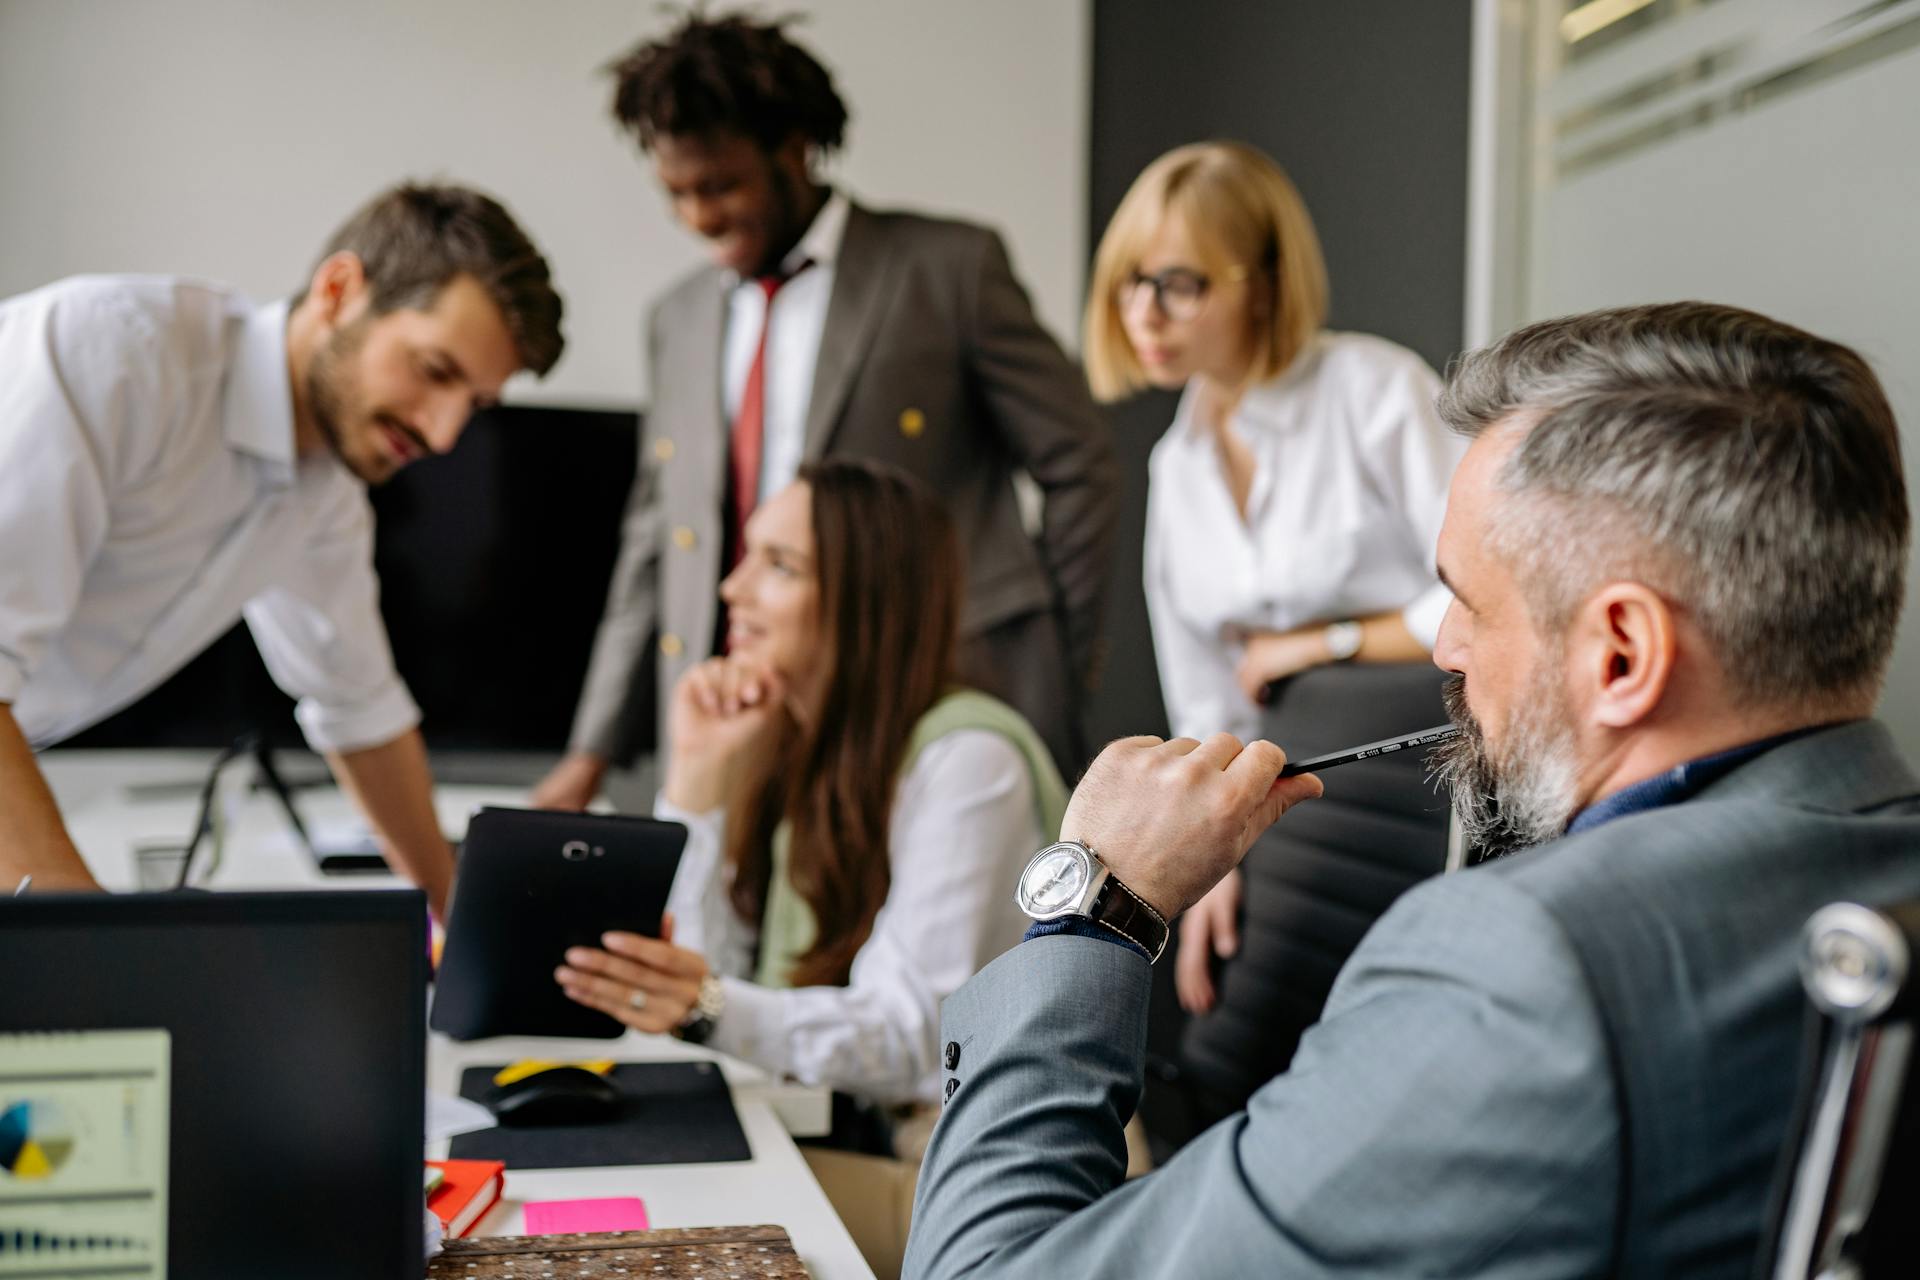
x=83 y=1153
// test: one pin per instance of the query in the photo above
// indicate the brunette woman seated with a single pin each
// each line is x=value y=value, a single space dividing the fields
x=854 y=818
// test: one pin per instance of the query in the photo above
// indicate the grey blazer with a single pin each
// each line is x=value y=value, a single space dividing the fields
x=1578 y=1061
x=932 y=360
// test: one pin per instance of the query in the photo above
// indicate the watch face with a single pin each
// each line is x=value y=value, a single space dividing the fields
x=1054 y=880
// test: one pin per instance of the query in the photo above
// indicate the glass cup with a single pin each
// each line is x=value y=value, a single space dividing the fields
x=156 y=864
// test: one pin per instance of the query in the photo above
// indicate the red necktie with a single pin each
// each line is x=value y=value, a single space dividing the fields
x=749 y=427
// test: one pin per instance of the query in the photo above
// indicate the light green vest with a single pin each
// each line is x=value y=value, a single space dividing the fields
x=787 y=926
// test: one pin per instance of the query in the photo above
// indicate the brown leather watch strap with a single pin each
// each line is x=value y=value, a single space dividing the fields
x=1127 y=914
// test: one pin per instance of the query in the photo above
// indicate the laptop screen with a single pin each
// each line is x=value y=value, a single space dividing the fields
x=230 y=1083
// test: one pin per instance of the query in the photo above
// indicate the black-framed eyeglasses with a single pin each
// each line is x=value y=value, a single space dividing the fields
x=1179 y=293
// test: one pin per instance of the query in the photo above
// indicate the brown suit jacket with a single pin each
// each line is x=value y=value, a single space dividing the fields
x=932 y=360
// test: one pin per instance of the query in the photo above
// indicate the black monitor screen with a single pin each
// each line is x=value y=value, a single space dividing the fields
x=291 y=1074
x=494 y=562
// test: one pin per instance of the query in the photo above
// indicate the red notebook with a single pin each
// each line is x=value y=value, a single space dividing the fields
x=468 y=1188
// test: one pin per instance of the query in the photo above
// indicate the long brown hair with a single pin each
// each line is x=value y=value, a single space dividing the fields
x=890 y=588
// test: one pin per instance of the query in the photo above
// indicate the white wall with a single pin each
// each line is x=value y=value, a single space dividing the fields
x=226 y=138
x=1799 y=195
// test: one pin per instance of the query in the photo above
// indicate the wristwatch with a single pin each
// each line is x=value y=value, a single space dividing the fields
x=1343 y=639
x=1068 y=879
x=706 y=1011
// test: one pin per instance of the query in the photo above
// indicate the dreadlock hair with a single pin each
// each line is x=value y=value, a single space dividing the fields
x=727 y=74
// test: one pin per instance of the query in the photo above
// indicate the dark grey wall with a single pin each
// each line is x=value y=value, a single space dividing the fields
x=1364 y=102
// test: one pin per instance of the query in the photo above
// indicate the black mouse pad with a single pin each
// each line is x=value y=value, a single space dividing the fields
x=673 y=1113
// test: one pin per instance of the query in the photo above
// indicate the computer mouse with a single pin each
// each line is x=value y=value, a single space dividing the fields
x=560 y=1095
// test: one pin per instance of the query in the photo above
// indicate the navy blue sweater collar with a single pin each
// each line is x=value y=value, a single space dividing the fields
x=1678 y=783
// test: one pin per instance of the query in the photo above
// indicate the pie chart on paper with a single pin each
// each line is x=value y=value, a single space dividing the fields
x=35 y=1140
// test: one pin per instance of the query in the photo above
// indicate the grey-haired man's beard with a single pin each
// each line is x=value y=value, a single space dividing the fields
x=1525 y=796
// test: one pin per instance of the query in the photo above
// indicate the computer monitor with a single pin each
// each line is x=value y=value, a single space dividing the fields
x=492 y=558
x=233 y=1081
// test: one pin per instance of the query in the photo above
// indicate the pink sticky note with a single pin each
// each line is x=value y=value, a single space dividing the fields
x=555 y=1217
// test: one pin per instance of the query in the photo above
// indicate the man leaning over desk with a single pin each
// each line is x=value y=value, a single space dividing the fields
x=1677 y=548
x=173 y=458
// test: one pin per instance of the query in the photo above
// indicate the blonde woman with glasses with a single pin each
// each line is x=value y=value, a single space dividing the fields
x=1294 y=502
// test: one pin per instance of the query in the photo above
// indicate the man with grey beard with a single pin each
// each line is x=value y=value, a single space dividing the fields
x=1678 y=552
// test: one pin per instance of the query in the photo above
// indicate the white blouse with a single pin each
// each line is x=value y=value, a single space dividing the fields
x=964 y=824
x=1351 y=466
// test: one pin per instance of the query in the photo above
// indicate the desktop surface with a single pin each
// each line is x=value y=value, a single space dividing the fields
x=114 y=799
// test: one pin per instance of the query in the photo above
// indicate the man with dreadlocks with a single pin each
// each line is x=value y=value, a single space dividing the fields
x=823 y=327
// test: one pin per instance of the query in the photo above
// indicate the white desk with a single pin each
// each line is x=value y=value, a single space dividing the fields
x=775 y=1186
x=114 y=800
x=106 y=820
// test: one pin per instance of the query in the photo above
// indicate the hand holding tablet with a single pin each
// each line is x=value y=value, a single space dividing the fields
x=530 y=884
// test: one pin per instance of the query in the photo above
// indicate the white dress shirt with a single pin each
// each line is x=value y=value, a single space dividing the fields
x=964 y=823
x=150 y=496
x=1351 y=466
x=793 y=344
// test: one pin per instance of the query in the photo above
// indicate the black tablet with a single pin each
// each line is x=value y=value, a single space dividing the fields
x=530 y=884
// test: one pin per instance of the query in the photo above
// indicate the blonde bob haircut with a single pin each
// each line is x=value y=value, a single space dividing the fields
x=1245 y=219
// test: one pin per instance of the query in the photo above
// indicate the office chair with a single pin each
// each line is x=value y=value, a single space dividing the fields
x=1851 y=1209
x=1314 y=885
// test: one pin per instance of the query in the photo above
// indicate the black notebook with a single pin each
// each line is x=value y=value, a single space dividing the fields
x=673 y=1113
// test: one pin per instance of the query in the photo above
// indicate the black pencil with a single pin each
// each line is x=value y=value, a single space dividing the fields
x=1422 y=738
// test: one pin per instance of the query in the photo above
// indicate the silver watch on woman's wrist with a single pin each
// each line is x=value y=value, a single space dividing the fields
x=706 y=1011
x=1343 y=639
